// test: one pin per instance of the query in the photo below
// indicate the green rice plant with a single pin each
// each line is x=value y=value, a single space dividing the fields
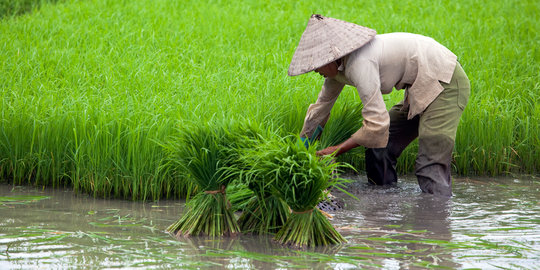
x=203 y=152
x=239 y=195
x=18 y=7
x=344 y=121
x=299 y=177
x=264 y=212
x=208 y=214
x=207 y=154
x=84 y=101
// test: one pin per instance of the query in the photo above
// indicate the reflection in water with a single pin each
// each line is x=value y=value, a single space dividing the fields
x=401 y=217
x=488 y=223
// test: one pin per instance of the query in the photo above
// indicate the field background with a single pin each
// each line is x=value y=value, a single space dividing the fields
x=93 y=89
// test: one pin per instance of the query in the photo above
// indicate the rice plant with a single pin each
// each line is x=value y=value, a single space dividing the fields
x=296 y=175
x=91 y=89
x=344 y=121
x=205 y=152
x=19 y=7
x=239 y=195
x=264 y=212
x=264 y=215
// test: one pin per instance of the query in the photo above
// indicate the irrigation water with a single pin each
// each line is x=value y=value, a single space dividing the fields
x=489 y=223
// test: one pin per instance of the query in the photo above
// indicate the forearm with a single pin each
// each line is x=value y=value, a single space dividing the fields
x=339 y=149
x=346 y=146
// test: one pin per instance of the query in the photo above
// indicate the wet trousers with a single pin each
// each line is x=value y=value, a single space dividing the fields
x=435 y=129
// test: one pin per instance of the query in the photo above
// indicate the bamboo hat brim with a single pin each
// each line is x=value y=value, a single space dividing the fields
x=326 y=40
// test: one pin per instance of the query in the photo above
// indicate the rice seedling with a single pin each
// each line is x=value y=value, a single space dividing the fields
x=343 y=122
x=208 y=155
x=296 y=175
x=239 y=195
x=19 y=7
x=203 y=152
x=264 y=212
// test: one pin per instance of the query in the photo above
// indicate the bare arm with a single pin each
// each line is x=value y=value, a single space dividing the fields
x=339 y=149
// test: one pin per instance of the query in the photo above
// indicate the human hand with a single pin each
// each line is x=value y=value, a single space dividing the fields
x=338 y=149
x=329 y=151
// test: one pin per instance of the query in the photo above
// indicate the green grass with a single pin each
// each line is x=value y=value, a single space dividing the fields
x=18 y=7
x=91 y=90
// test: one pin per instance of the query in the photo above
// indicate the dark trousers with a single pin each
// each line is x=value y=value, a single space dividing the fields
x=435 y=129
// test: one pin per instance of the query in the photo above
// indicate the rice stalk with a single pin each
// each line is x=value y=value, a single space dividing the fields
x=263 y=214
x=308 y=228
x=208 y=214
x=300 y=178
x=204 y=152
x=239 y=196
x=342 y=123
x=209 y=156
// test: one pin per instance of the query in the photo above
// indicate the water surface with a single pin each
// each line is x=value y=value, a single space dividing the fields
x=489 y=223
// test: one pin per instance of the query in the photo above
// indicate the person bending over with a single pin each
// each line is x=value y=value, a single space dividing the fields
x=436 y=93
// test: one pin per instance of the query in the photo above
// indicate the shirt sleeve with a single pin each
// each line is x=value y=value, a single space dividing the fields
x=364 y=74
x=318 y=113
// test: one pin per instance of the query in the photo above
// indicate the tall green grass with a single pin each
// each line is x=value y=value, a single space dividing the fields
x=18 y=7
x=91 y=90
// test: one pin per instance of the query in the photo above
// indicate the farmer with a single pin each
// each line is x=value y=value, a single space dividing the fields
x=436 y=92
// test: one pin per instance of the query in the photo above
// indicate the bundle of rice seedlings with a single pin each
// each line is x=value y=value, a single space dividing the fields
x=264 y=213
x=301 y=179
x=239 y=195
x=205 y=153
x=343 y=122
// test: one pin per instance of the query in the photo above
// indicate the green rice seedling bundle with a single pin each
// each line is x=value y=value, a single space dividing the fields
x=239 y=195
x=205 y=153
x=265 y=212
x=301 y=179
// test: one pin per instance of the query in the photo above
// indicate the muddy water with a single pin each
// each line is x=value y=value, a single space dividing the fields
x=489 y=223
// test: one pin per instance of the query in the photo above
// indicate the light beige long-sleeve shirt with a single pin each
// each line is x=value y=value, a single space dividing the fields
x=395 y=60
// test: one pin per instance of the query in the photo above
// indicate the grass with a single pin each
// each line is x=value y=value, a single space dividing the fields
x=92 y=90
x=18 y=7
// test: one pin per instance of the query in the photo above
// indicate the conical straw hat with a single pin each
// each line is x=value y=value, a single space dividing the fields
x=326 y=40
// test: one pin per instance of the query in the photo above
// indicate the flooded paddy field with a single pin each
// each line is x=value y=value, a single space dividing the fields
x=488 y=224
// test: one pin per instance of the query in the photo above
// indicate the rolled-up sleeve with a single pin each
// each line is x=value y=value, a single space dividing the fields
x=318 y=113
x=364 y=74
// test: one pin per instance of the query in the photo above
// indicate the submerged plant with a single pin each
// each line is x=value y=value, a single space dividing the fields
x=205 y=153
x=299 y=177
